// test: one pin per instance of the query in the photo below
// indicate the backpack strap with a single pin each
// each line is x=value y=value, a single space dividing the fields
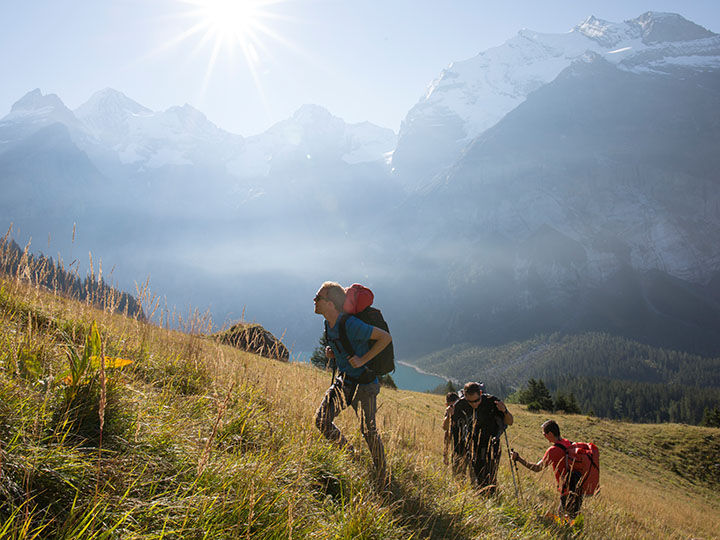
x=343 y=335
x=566 y=482
x=327 y=340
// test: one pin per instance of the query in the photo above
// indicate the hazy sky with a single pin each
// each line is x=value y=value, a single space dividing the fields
x=361 y=59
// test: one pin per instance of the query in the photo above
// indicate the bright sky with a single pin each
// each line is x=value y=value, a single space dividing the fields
x=250 y=63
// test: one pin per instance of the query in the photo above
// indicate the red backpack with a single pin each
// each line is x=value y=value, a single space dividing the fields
x=585 y=458
x=357 y=298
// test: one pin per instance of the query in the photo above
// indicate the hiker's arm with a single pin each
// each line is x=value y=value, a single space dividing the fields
x=534 y=467
x=507 y=418
x=446 y=420
x=382 y=340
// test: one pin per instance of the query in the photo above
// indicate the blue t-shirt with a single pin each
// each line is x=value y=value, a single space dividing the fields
x=358 y=333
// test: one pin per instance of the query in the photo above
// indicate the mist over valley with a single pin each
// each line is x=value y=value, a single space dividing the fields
x=558 y=183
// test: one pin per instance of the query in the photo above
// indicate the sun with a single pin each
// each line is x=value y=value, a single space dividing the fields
x=231 y=21
x=232 y=26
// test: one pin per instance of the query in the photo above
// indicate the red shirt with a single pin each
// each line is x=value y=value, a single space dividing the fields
x=556 y=457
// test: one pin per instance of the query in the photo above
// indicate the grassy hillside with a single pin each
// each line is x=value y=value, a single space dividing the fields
x=202 y=440
x=613 y=376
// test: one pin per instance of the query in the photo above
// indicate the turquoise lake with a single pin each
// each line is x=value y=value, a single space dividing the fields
x=408 y=378
x=405 y=377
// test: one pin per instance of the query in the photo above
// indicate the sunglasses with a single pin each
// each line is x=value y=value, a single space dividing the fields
x=473 y=400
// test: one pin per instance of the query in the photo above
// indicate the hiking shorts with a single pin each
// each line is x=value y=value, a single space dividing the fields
x=341 y=394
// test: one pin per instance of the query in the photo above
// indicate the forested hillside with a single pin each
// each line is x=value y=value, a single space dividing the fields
x=55 y=277
x=610 y=376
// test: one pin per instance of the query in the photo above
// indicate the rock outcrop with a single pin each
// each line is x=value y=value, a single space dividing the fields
x=255 y=339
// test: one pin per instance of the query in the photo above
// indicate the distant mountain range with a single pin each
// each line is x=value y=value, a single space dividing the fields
x=117 y=128
x=558 y=182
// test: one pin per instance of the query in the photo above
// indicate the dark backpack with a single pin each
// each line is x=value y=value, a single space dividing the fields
x=384 y=362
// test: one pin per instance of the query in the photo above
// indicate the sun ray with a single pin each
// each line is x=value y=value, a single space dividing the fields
x=211 y=65
x=174 y=42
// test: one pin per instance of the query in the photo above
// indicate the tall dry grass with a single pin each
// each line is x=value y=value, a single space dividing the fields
x=198 y=439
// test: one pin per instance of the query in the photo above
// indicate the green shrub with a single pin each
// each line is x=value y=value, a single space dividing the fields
x=534 y=406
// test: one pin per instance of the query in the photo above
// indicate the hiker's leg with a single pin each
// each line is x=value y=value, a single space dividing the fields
x=570 y=502
x=332 y=403
x=447 y=446
x=367 y=396
x=462 y=458
x=573 y=504
x=475 y=468
x=574 y=498
x=561 y=509
x=458 y=460
x=480 y=465
x=496 y=453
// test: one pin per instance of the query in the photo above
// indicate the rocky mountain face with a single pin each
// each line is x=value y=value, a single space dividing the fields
x=555 y=183
x=573 y=209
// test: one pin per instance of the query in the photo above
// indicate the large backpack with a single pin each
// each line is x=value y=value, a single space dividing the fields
x=358 y=302
x=585 y=458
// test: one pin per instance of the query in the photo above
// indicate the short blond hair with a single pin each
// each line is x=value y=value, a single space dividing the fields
x=335 y=293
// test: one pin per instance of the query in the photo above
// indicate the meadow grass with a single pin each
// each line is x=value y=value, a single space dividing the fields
x=201 y=440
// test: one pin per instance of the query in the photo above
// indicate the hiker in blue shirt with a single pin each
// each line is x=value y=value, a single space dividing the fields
x=355 y=384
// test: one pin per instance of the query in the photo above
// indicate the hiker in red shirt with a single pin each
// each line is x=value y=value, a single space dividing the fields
x=571 y=496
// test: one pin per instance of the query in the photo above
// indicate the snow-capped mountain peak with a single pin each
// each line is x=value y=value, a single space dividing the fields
x=188 y=118
x=314 y=132
x=657 y=27
x=141 y=137
x=39 y=109
x=35 y=100
x=110 y=102
x=310 y=114
x=108 y=114
x=606 y=33
x=471 y=96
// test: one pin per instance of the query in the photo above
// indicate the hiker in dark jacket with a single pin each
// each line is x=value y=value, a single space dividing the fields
x=478 y=420
x=570 y=498
x=355 y=384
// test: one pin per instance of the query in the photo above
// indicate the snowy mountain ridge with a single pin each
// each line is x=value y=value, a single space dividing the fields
x=33 y=112
x=472 y=95
x=111 y=124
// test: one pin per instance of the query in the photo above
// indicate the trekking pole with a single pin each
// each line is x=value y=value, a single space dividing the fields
x=512 y=471
x=517 y=472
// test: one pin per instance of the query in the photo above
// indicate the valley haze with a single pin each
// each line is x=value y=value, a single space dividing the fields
x=558 y=182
